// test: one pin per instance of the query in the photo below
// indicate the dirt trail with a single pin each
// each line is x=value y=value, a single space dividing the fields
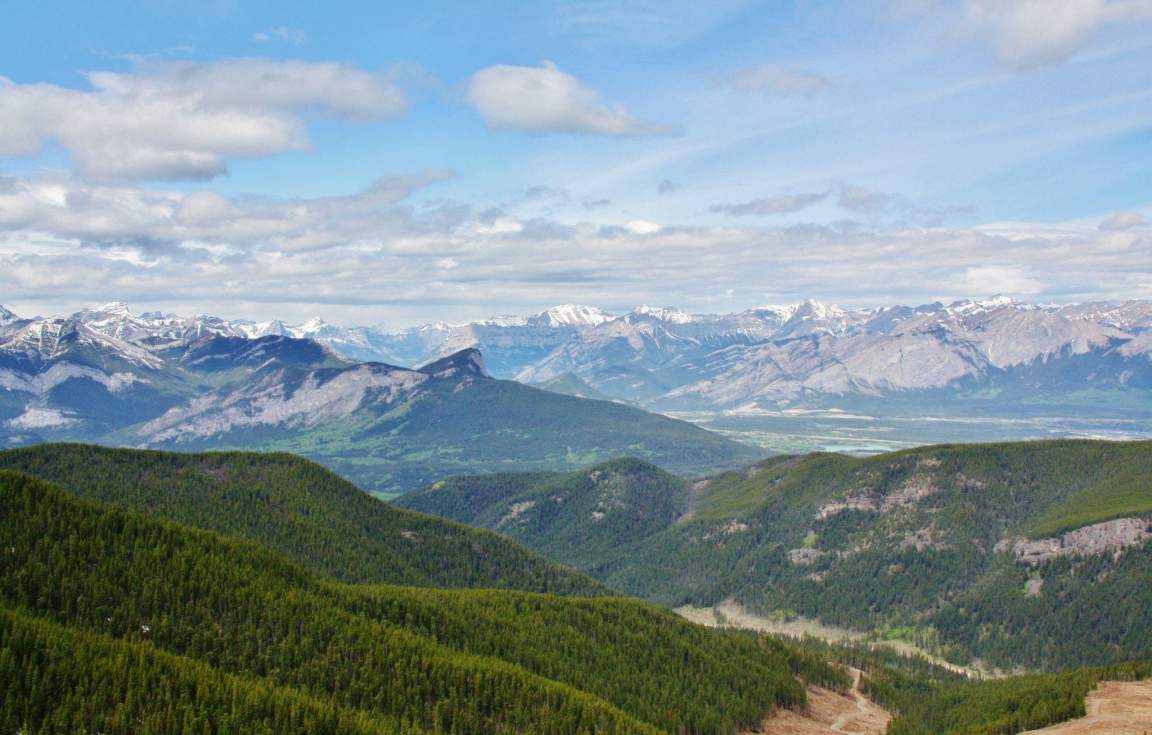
x=830 y=712
x=1114 y=708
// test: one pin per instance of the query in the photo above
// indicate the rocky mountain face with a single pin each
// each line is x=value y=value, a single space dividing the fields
x=813 y=354
x=114 y=377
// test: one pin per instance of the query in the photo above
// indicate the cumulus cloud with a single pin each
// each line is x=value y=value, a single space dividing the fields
x=1029 y=33
x=281 y=33
x=109 y=216
x=1123 y=221
x=184 y=120
x=545 y=99
x=76 y=243
x=861 y=200
x=771 y=205
x=776 y=80
x=667 y=186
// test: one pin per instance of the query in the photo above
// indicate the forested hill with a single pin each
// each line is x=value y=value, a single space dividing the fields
x=302 y=510
x=119 y=623
x=1034 y=554
x=584 y=517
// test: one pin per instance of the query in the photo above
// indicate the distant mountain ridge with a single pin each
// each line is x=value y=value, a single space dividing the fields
x=797 y=354
x=111 y=377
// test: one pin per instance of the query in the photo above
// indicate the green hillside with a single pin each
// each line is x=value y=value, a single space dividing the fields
x=258 y=640
x=458 y=421
x=582 y=517
x=902 y=543
x=302 y=510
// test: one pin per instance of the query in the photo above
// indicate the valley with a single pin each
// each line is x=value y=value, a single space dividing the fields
x=799 y=431
x=982 y=554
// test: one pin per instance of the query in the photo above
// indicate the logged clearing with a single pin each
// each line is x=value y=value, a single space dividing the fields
x=730 y=613
x=830 y=712
x=1114 y=708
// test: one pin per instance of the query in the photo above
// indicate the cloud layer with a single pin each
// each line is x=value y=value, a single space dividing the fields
x=65 y=242
x=184 y=120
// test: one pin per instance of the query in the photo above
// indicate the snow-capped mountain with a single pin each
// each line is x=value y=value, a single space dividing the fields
x=569 y=315
x=655 y=356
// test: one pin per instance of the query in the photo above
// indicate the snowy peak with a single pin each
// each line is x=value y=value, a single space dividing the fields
x=465 y=362
x=569 y=315
x=662 y=313
x=816 y=310
x=983 y=306
x=113 y=309
x=778 y=313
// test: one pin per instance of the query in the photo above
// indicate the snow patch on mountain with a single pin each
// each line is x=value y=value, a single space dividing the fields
x=40 y=418
x=7 y=317
x=40 y=383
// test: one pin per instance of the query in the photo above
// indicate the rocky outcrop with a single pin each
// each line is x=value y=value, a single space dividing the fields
x=1098 y=538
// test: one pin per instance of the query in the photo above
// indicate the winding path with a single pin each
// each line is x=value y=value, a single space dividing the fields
x=831 y=712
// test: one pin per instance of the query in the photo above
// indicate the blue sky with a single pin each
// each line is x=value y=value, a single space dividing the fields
x=709 y=155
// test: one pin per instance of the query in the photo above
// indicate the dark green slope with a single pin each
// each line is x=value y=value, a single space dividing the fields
x=582 y=518
x=300 y=509
x=58 y=679
x=241 y=621
x=493 y=425
x=905 y=540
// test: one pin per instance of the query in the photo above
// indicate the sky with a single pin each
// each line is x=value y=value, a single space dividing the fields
x=400 y=163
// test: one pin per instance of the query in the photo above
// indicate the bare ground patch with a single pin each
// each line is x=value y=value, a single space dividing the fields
x=730 y=613
x=1114 y=708
x=830 y=712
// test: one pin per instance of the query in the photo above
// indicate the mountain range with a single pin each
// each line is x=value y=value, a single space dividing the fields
x=109 y=376
x=986 y=354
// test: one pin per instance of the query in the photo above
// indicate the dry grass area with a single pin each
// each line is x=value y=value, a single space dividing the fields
x=830 y=712
x=731 y=614
x=1114 y=708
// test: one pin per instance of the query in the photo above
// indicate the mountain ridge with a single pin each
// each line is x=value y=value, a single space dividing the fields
x=668 y=359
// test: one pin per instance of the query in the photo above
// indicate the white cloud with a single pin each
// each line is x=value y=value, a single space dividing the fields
x=995 y=279
x=281 y=33
x=67 y=242
x=184 y=120
x=104 y=215
x=777 y=80
x=1123 y=221
x=643 y=227
x=1031 y=33
x=771 y=205
x=545 y=99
